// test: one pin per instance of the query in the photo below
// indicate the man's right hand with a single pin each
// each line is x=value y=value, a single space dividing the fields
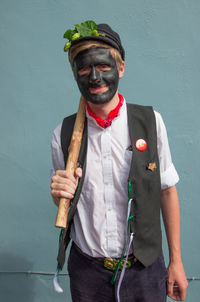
x=64 y=184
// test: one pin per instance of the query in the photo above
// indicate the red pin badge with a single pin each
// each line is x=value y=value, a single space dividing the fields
x=141 y=144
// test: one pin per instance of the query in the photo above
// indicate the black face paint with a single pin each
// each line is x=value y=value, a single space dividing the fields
x=97 y=75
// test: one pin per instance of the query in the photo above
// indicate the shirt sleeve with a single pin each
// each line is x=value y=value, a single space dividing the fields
x=57 y=154
x=168 y=173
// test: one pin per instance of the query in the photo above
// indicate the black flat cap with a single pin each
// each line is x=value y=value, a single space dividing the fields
x=111 y=37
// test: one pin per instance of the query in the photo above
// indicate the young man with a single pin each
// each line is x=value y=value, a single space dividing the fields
x=124 y=158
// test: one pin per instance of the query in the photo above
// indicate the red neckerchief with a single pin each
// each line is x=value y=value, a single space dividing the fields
x=113 y=114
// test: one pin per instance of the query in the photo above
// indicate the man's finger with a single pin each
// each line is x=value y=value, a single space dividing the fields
x=170 y=289
x=59 y=194
x=61 y=175
x=182 y=291
x=67 y=187
x=78 y=172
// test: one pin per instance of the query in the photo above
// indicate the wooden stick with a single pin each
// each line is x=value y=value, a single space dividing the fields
x=74 y=149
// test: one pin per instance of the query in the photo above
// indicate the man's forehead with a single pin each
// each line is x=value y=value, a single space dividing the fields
x=94 y=54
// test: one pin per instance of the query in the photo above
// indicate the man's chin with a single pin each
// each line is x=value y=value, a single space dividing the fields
x=97 y=100
x=100 y=98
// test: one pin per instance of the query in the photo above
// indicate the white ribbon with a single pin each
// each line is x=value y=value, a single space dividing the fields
x=124 y=267
x=56 y=284
x=128 y=246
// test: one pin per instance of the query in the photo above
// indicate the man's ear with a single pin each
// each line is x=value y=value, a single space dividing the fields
x=121 y=69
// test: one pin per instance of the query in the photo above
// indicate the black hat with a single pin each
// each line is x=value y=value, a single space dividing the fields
x=110 y=37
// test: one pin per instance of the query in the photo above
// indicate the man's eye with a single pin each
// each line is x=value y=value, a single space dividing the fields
x=83 y=71
x=103 y=67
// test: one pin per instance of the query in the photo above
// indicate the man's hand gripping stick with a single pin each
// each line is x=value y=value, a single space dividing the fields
x=74 y=149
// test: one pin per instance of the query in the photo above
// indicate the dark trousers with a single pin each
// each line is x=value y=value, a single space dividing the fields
x=90 y=281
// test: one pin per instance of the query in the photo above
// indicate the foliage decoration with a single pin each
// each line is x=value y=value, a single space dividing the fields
x=85 y=29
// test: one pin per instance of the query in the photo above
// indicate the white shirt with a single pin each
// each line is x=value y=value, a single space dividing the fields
x=100 y=220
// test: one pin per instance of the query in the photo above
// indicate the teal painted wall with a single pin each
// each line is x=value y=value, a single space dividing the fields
x=37 y=90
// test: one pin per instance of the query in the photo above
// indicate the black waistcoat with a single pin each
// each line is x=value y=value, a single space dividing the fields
x=145 y=184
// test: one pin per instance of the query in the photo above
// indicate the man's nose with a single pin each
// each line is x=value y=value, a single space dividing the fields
x=94 y=75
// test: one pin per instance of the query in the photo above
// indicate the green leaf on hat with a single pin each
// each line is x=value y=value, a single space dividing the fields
x=86 y=28
x=69 y=33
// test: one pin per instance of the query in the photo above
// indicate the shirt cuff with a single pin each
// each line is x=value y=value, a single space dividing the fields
x=169 y=177
x=52 y=173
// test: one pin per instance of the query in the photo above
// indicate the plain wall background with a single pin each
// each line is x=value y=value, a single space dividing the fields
x=162 y=44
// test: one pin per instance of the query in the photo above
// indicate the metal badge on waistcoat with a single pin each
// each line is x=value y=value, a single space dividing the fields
x=151 y=166
x=141 y=144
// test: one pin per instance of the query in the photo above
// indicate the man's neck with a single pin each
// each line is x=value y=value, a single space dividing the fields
x=103 y=110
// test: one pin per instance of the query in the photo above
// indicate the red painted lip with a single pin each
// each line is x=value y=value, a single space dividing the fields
x=98 y=90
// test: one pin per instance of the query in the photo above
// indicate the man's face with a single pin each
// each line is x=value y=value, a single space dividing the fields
x=97 y=75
